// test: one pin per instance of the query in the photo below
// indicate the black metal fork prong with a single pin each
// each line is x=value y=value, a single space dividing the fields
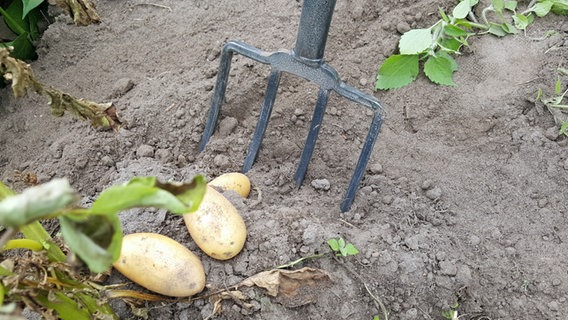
x=315 y=126
x=218 y=97
x=265 y=111
x=364 y=156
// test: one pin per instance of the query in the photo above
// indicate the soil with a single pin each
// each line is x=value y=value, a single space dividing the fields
x=463 y=200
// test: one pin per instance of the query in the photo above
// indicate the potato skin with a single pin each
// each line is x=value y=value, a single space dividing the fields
x=217 y=227
x=160 y=264
x=235 y=181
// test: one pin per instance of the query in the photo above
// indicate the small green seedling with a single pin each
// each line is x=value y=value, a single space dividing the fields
x=434 y=46
x=554 y=104
x=341 y=248
x=452 y=313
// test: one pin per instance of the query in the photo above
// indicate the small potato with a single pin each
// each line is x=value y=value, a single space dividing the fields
x=235 y=181
x=217 y=227
x=160 y=264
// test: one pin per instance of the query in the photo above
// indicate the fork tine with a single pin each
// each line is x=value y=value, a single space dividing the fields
x=265 y=111
x=315 y=126
x=218 y=96
x=362 y=162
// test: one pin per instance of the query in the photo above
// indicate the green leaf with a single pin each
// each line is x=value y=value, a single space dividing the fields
x=96 y=239
x=564 y=128
x=13 y=17
x=560 y=7
x=511 y=5
x=462 y=9
x=341 y=242
x=439 y=69
x=509 y=28
x=35 y=203
x=465 y=23
x=66 y=308
x=37 y=232
x=5 y=192
x=443 y=14
x=451 y=44
x=498 y=5
x=333 y=244
x=415 y=41
x=497 y=30
x=541 y=9
x=558 y=86
x=350 y=250
x=521 y=21
x=32 y=19
x=29 y=5
x=454 y=31
x=147 y=192
x=23 y=48
x=397 y=71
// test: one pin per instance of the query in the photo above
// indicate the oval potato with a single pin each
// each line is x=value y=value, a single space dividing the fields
x=217 y=227
x=235 y=181
x=160 y=264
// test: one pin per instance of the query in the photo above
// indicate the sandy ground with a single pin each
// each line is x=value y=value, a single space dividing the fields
x=464 y=199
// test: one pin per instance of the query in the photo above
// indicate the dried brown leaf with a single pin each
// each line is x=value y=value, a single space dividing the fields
x=293 y=288
x=83 y=12
x=101 y=115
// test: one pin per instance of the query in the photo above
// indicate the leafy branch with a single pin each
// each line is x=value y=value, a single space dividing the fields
x=20 y=74
x=434 y=46
x=49 y=282
x=554 y=104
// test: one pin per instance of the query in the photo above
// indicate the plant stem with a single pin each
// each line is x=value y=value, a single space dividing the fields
x=23 y=244
x=295 y=262
x=35 y=231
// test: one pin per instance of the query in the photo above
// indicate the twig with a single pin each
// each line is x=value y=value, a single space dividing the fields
x=295 y=262
x=424 y=312
x=155 y=5
x=375 y=298
x=347 y=223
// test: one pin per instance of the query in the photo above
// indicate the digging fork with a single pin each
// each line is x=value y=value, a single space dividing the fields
x=306 y=61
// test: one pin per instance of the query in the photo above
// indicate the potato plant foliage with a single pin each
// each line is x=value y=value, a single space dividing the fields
x=434 y=46
x=93 y=234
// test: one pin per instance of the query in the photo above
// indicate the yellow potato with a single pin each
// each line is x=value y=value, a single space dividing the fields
x=217 y=227
x=235 y=181
x=160 y=264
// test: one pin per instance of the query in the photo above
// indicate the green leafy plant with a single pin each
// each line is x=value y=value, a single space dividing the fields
x=339 y=248
x=23 y=17
x=342 y=248
x=452 y=312
x=554 y=104
x=48 y=281
x=434 y=46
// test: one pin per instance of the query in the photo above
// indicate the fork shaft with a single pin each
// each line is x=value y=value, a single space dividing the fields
x=314 y=25
x=315 y=126
x=265 y=111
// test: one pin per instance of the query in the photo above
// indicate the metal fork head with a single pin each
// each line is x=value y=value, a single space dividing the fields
x=306 y=61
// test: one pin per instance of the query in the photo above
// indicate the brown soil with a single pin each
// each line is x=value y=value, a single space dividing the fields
x=465 y=193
